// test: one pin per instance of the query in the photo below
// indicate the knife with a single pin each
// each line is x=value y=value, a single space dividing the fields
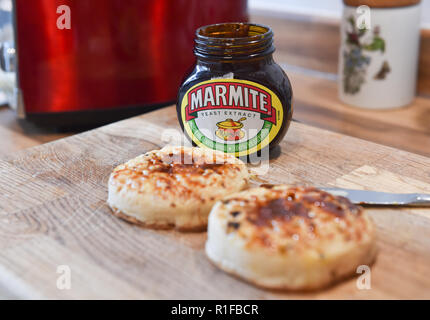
x=376 y=198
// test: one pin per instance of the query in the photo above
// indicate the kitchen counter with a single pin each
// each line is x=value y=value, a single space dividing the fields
x=17 y=135
x=315 y=103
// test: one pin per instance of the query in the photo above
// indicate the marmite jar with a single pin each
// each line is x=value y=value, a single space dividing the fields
x=236 y=98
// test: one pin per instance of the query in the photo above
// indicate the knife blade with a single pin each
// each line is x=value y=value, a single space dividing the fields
x=377 y=198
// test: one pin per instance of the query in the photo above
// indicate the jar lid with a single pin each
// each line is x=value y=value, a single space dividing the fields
x=381 y=3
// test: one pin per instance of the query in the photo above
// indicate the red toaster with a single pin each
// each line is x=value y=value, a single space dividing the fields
x=94 y=61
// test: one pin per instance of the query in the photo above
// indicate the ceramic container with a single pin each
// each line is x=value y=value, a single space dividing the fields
x=379 y=53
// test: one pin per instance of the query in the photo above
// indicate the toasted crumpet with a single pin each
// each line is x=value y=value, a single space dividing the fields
x=174 y=187
x=290 y=238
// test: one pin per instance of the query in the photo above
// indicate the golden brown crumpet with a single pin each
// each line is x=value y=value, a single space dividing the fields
x=292 y=238
x=174 y=187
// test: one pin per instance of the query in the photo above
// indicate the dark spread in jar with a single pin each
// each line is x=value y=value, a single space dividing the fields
x=236 y=99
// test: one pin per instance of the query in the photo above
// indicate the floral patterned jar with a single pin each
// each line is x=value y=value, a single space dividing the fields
x=379 y=53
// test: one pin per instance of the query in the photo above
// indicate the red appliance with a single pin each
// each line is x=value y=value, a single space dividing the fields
x=119 y=58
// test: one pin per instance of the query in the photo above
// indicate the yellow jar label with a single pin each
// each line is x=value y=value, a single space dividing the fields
x=238 y=117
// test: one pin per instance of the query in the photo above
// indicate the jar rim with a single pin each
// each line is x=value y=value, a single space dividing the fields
x=233 y=40
x=267 y=33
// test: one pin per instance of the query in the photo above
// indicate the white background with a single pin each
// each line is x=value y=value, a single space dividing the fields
x=324 y=8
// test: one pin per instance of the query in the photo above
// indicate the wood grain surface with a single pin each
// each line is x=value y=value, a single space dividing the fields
x=17 y=135
x=53 y=212
x=424 y=64
x=303 y=41
x=316 y=103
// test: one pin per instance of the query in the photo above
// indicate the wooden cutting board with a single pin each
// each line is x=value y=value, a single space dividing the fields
x=53 y=214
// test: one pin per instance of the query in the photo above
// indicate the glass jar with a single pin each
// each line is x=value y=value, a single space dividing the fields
x=236 y=98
